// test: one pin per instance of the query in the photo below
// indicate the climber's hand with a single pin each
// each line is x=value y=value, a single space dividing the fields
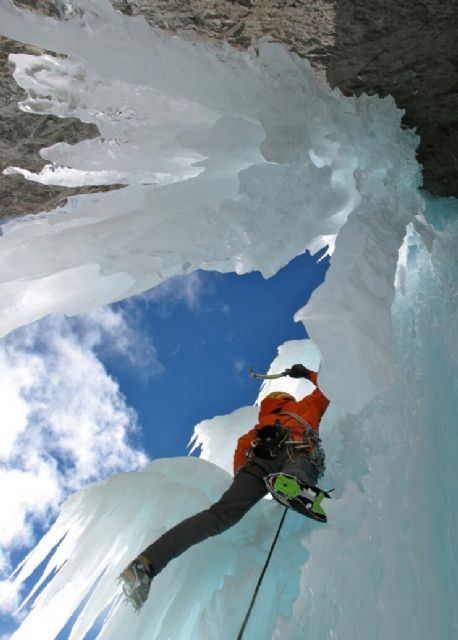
x=298 y=371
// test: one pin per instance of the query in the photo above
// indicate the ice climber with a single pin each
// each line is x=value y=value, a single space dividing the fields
x=282 y=453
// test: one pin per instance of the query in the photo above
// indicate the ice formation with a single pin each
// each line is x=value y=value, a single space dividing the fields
x=232 y=161
x=393 y=522
x=217 y=438
x=239 y=161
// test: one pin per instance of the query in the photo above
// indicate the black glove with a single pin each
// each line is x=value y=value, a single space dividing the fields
x=298 y=371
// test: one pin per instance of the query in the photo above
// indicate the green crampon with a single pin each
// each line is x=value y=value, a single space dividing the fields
x=316 y=506
x=289 y=487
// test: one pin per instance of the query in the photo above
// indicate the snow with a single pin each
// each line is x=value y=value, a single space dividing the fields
x=239 y=161
x=231 y=161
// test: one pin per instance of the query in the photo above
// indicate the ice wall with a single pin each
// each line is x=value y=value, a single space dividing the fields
x=239 y=161
x=201 y=595
x=384 y=567
x=232 y=161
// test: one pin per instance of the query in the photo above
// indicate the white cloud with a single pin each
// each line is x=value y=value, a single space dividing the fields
x=64 y=420
x=117 y=331
x=240 y=364
x=187 y=289
x=9 y=601
x=14 y=409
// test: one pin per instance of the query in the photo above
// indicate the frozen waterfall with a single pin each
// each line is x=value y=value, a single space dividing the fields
x=232 y=161
x=239 y=161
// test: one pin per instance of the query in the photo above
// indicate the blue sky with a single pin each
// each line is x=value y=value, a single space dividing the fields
x=100 y=393
x=208 y=329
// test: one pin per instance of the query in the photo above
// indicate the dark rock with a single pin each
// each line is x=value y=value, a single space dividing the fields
x=398 y=47
x=22 y=135
x=409 y=50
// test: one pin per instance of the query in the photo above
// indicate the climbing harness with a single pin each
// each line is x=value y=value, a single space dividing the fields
x=311 y=444
x=269 y=440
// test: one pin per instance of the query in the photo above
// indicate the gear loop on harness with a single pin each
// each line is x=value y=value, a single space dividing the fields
x=270 y=440
x=311 y=443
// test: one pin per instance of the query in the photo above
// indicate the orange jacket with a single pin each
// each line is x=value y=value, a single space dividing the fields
x=310 y=408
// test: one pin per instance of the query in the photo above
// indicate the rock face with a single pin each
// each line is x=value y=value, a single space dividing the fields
x=408 y=49
x=22 y=135
x=306 y=26
x=398 y=47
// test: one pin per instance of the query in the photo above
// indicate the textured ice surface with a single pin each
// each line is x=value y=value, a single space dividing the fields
x=105 y=522
x=238 y=161
x=232 y=161
x=385 y=566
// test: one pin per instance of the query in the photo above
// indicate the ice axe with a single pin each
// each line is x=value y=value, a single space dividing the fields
x=296 y=371
x=266 y=376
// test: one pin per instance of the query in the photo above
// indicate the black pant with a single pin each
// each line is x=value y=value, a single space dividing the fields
x=245 y=491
